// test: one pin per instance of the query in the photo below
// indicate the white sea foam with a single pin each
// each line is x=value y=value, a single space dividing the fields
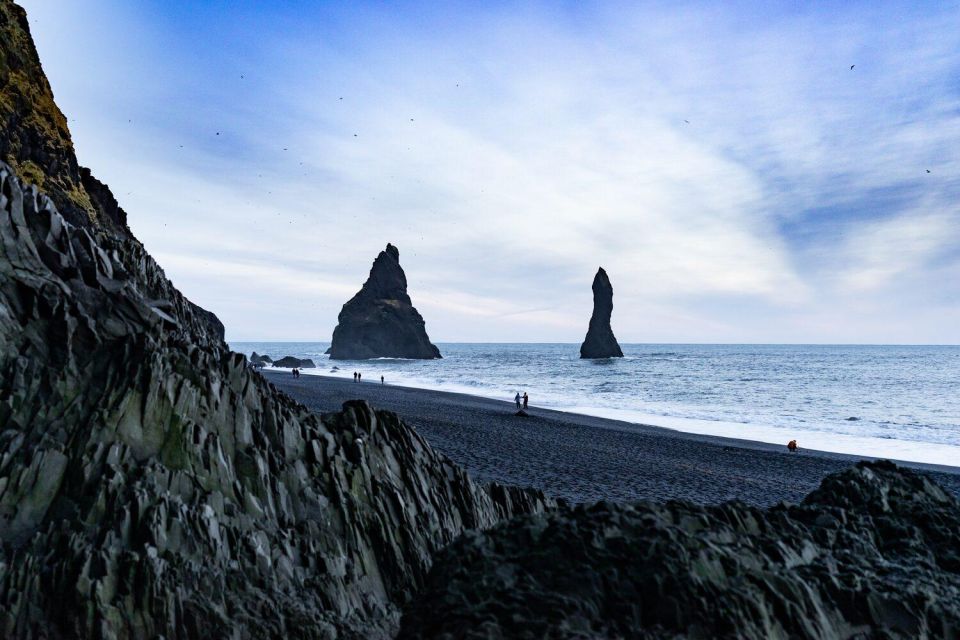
x=896 y=402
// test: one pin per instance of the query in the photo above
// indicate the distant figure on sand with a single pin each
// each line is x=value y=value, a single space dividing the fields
x=526 y=399
x=517 y=399
x=359 y=376
x=381 y=380
x=354 y=376
x=792 y=445
x=296 y=374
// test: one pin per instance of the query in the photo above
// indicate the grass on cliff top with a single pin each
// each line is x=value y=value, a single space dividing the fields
x=27 y=103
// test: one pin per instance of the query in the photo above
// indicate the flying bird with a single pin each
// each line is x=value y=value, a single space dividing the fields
x=928 y=170
x=687 y=121
x=852 y=66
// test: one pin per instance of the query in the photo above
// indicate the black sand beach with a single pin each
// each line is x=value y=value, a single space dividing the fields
x=586 y=459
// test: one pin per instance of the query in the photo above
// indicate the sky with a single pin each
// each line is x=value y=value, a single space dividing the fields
x=737 y=179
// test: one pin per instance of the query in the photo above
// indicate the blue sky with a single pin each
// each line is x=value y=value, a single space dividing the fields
x=738 y=181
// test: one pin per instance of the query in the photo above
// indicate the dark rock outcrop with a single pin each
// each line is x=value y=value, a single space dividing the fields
x=256 y=358
x=151 y=485
x=873 y=553
x=380 y=321
x=289 y=362
x=600 y=341
x=36 y=140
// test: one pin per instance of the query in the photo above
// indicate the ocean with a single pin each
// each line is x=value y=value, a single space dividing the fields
x=901 y=402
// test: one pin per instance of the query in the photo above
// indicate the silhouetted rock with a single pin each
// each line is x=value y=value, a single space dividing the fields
x=256 y=358
x=600 y=341
x=380 y=321
x=289 y=362
x=873 y=553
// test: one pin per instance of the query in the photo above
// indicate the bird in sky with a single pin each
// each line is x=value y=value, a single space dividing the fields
x=928 y=170
x=852 y=66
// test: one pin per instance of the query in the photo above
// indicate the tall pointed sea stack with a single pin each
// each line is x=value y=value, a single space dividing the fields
x=600 y=341
x=380 y=321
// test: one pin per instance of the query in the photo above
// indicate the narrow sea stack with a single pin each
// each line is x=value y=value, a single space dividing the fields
x=873 y=553
x=380 y=321
x=600 y=341
x=151 y=484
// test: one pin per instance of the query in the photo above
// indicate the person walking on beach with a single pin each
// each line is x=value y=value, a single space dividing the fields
x=359 y=376
x=517 y=399
x=526 y=399
x=354 y=376
x=381 y=380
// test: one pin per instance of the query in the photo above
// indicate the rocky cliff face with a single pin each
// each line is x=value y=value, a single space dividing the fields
x=873 y=553
x=380 y=321
x=151 y=485
x=36 y=139
x=600 y=341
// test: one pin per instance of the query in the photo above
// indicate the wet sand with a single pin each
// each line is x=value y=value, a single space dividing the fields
x=585 y=459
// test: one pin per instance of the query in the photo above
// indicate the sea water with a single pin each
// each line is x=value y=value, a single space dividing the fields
x=901 y=402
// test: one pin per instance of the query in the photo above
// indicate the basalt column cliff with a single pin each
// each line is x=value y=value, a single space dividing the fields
x=380 y=321
x=600 y=341
x=151 y=485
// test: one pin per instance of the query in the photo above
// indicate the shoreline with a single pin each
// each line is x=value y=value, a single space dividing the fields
x=847 y=445
x=584 y=458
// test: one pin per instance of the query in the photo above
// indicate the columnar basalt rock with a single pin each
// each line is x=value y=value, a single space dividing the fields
x=380 y=321
x=600 y=341
x=151 y=484
x=873 y=553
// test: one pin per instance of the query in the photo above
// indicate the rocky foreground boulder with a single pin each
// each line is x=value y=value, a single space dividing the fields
x=873 y=553
x=151 y=485
x=600 y=341
x=380 y=321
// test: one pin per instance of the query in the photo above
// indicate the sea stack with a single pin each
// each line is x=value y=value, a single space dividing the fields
x=600 y=341
x=380 y=321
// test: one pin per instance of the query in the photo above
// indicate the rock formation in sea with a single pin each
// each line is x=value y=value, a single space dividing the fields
x=380 y=320
x=256 y=358
x=873 y=553
x=151 y=485
x=290 y=362
x=600 y=341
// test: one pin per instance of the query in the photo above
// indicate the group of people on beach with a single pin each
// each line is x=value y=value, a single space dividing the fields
x=522 y=401
x=295 y=372
x=357 y=377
